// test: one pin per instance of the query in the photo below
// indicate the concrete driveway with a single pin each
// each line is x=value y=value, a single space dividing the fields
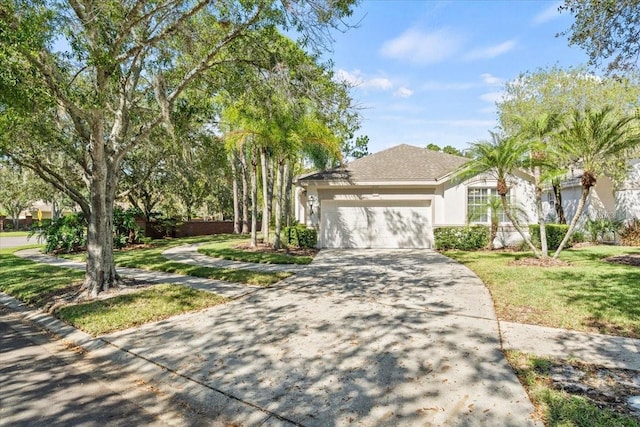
x=370 y=337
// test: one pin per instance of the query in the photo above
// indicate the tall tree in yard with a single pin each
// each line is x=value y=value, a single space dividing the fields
x=596 y=142
x=538 y=133
x=499 y=159
x=116 y=78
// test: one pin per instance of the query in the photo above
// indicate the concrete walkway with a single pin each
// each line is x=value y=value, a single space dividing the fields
x=227 y=289
x=188 y=254
x=604 y=350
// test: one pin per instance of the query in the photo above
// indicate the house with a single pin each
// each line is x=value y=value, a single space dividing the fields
x=605 y=199
x=395 y=198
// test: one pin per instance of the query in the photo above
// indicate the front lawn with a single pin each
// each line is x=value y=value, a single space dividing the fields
x=133 y=309
x=34 y=284
x=589 y=295
x=150 y=258
x=42 y=285
x=228 y=250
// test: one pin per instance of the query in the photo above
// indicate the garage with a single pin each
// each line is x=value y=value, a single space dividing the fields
x=376 y=224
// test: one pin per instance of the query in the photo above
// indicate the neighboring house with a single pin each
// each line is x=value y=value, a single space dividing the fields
x=605 y=199
x=395 y=198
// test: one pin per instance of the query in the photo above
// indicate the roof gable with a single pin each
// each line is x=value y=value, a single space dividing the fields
x=400 y=163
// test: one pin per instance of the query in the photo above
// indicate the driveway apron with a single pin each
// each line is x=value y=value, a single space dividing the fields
x=360 y=337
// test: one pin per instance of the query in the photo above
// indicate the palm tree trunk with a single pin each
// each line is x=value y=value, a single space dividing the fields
x=539 y=212
x=236 y=195
x=245 y=192
x=254 y=199
x=265 y=195
x=557 y=193
x=279 y=200
x=507 y=211
x=574 y=220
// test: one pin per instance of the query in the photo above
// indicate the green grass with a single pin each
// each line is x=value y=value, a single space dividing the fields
x=33 y=283
x=591 y=295
x=151 y=258
x=226 y=250
x=133 y=309
x=36 y=284
x=14 y=234
x=557 y=407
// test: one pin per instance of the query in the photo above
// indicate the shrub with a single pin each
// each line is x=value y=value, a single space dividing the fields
x=66 y=234
x=599 y=226
x=555 y=234
x=125 y=230
x=630 y=234
x=466 y=238
x=300 y=236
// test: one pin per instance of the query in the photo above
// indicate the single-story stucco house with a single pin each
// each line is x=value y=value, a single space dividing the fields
x=620 y=201
x=395 y=198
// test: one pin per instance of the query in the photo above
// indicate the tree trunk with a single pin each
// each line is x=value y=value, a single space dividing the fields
x=539 y=212
x=245 y=192
x=574 y=220
x=557 y=193
x=254 y=200
x=493 y=232
x=265 y=195
x=507 y=211
x=288 y=173
x=101 y=272
x=279 y=199
x=270 y=191
x=236 y=196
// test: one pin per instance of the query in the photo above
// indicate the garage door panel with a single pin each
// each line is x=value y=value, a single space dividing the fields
x=367 y=225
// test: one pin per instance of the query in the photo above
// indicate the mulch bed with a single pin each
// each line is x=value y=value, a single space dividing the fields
x=539 y=262
x=632 y=260
x=605 y=387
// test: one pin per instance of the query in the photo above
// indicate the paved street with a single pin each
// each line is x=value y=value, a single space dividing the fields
x=12 y=242
x=44 y=383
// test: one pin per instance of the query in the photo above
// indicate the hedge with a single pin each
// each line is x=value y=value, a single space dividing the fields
x=300 y=236
x=465 y=238
x=555 y=234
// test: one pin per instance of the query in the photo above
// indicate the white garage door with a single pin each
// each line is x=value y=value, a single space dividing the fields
x=376 y=224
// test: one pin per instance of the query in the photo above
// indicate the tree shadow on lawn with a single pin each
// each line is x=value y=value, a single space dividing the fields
x=612 y=298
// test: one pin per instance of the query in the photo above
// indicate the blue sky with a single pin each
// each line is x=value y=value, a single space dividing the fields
x=431 y=71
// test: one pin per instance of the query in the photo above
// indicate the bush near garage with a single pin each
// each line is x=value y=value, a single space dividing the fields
x=555 y=234
x=465 y=238
x=300 y=236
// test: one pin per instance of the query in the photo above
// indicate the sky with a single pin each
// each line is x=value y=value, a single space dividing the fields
x=431 y=71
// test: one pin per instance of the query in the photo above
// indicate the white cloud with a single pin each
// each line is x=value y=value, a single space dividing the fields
x=422 y=47
x=357 y=79
x=403 y=92
x=549 y=14
x=491 y=51
x=491 y=80
x=492 y=97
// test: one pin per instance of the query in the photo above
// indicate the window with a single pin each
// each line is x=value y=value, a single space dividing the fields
x=481 y=204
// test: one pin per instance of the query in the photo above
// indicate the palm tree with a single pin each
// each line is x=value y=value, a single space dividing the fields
x=537 y=133
x=594 y=142
x=498 y=158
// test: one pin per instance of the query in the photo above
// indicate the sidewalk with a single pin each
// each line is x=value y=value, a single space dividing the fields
x=188 y=254
x=598 y=349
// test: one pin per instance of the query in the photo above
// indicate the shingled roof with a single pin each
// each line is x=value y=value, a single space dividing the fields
x=400 y=163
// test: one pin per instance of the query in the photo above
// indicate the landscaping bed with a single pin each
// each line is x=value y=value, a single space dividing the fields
x=262 y=253
x=578 y=394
